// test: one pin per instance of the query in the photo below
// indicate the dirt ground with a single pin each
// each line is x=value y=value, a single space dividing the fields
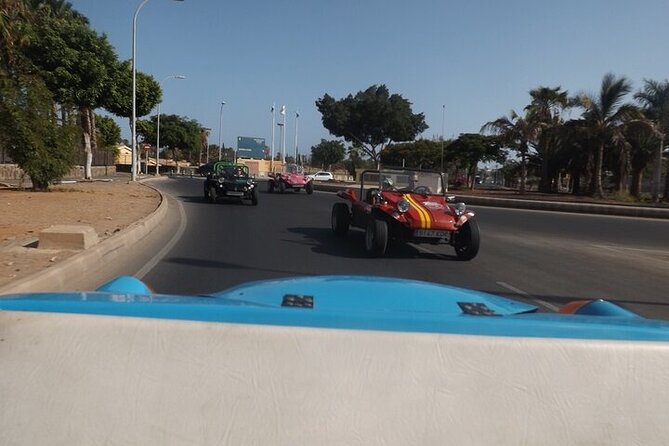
x=107 y=206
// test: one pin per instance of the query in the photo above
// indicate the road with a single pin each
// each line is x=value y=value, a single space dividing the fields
x=540 y=257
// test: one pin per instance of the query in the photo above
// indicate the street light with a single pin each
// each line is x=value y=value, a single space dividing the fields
x=174 y=76
x=133 y=170
x=220 y=133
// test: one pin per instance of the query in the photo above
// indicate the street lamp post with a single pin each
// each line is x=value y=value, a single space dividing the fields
x=133 y=170
x=174 y=76
x=220 y=132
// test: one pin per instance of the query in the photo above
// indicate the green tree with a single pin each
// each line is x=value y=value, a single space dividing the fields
x=518 y=133
x=108 y=136
x=75 y=62
x=41 y=143
x=327 y=153
x=371 y=119
x=472 y=148
x=546 y=109
x=421 y=154
x=605 y=113
x=119 y=97
x=181 y=135
x=643 y=141
x=655 y=99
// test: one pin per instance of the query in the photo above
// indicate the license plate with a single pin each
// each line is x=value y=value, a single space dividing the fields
x=430 y=233
x=234 y=194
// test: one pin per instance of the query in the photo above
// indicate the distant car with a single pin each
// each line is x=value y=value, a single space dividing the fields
x=321 y=176
x=230 y=180
x=292 y=178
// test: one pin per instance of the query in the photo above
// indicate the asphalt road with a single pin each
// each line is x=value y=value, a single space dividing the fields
x=545 y=258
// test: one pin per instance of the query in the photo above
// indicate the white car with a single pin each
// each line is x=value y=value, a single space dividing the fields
x=321 y=176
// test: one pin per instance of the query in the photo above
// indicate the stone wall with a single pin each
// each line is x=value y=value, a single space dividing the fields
x=12 y=172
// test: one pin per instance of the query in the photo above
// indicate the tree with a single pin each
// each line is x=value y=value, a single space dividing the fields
x=371 y=119
x=176 y=132
x=520 y=134
x=76 y=64
x=327 y=153
x=36 y=139
x=546 y=110
x=643 y=141
x=119 y=97
x=655 y=99
x=108 y=135
x=421 y=154
x=604 y=114
x=472 y=148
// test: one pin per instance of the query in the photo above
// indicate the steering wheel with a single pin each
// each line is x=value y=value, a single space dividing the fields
x=422 y=190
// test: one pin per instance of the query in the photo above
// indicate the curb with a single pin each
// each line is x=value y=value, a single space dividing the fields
x=90 y=261
x=554 y=206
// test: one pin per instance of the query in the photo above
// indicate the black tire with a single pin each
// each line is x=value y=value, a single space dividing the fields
x=282 y=187
x=376 y=237
x=310 y=187
x=212 y=194
x=270 y=186
x=467 y=240
x=341 y=219
x=254 y=196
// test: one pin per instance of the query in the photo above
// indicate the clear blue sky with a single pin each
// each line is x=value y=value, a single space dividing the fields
x=479 y=58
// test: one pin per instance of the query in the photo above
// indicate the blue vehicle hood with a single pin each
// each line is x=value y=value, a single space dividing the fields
x=347 y=302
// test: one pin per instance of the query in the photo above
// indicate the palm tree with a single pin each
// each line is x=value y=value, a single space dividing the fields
x=655 y=99
x=604 y=114
x=642 y=139
x=546 y=110
x=518 y=133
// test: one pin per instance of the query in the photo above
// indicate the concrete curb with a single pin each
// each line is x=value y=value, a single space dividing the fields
x=555 y=206
x=90 y=261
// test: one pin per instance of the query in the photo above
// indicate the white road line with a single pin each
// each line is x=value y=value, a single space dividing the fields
x=169 y=245
x=527 y=295
x=616 y=248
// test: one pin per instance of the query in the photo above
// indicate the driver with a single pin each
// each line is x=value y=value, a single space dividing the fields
x=413 y=181
x=388 y=184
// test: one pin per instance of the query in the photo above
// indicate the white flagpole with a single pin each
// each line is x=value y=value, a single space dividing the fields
x=271 y=161
x=283 y=139
x=297 y=116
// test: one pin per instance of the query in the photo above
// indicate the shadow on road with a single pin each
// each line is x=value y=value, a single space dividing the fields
x=352 y=246
x=201 y=263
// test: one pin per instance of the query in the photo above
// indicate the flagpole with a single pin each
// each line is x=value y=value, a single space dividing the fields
x=297 y=116
x=271 y=160
x=283 y=139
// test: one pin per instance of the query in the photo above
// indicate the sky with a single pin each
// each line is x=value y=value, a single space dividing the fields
x=478 y=58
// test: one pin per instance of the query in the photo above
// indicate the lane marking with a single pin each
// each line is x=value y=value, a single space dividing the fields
x=528 y=296
x=168 y=246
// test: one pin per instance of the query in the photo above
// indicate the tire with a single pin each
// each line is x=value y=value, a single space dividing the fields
x=212 y=194
x=270 y=186
x=341 y=219
x=254 y=196
x=467 y=240
x=310 y=188
x=376 y=237
x=282 y=187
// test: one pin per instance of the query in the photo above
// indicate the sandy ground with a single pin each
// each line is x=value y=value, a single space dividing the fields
x=108 y=207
